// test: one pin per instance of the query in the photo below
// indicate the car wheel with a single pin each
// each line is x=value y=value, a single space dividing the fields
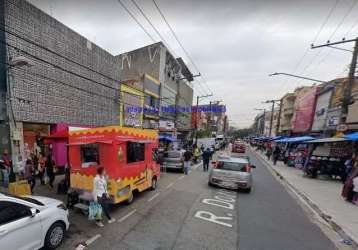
x=154 y=183
x=130 y=198
x=210 y=184
x=55 y=235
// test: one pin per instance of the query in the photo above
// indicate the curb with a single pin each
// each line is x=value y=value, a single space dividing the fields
x=347 y=239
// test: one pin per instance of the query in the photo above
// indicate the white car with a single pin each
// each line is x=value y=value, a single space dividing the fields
x=32 y=222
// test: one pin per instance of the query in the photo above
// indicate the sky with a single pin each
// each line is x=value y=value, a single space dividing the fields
x=235 y=44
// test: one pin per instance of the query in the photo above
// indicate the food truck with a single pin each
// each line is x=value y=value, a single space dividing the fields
x=128 y=155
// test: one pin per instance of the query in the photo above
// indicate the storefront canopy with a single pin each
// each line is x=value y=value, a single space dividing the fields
x=352 y=137
x=328 y=140
x=298 y=139
x=166 y=138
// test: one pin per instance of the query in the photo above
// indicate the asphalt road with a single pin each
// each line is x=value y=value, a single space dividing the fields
x=184 y=213
x=270 y=218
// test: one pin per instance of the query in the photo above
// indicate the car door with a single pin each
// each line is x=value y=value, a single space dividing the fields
x=18 y=229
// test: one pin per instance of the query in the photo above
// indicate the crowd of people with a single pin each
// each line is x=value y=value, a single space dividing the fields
x=36 y=166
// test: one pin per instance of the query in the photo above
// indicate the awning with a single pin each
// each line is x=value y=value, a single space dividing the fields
x=352 y=137
x=90 y=142
x=166 y=138
x=298 y=139
x=328 y=140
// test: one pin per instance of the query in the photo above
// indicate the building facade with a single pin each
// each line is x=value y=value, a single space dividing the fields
x=68 y=79
x=287 y=110
x=158 y=65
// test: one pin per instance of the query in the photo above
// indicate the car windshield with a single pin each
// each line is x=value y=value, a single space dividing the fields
x=232 y=166
x=174 y=154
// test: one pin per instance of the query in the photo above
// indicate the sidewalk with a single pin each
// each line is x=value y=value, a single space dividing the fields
x=324 y=196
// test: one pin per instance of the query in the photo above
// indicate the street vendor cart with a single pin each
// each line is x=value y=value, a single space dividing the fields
x=128 y=156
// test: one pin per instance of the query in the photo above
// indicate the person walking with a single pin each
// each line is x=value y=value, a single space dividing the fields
x=50 y=170
x=276 y=154
x=42 y=166
x=206 y=159
x=100 y=195
x=6 y=170
x=30 y=174
x=187 y=158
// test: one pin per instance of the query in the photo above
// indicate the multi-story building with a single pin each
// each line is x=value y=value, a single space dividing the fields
x=304 y=109
x=158 y=64
x=68 y=79
x=287 y=109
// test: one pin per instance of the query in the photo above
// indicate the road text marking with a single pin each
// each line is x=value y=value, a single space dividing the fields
x=208 y=216
x=153 y=197
x=127 y=215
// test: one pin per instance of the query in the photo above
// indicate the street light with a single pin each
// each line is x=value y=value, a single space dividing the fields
x=296 y=76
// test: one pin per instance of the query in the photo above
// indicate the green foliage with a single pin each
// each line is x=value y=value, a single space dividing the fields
x=204 y=133
x=241 y=133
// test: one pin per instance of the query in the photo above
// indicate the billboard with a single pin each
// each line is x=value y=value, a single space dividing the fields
x=305 y=106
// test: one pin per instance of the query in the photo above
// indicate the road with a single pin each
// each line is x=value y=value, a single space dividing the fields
x=184 y=213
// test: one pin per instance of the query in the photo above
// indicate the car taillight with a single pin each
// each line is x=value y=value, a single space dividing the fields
x=248 y=168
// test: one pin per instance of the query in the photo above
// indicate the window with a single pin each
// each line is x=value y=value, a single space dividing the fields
x=89 y=155
x=135 y=152
x=11 y=211
x=233 y=166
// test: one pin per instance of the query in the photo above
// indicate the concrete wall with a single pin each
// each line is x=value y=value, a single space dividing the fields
x=146 y=60
x=55 y=89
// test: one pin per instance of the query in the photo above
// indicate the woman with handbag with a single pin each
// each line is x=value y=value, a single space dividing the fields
x=100 y=195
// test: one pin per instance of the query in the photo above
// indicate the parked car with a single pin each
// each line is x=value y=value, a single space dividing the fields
x=232 y=172
x=32 y=222
x=173 y=159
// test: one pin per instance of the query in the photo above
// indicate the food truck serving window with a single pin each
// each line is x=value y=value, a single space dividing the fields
x=89 y=155
x=135 y=152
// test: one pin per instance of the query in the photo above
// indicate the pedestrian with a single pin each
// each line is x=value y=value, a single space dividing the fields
x=276 y=154
x=6 y=168
x=187 y=158
x=206 y=159
x=229 y=148
x=50 y=170
x=30 y=174
x=100 y=195
x=42 y=166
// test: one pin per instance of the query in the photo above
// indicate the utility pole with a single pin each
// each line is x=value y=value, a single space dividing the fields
x=279 y=118
x=196 y=115
x=347 y=91
x=272 y=111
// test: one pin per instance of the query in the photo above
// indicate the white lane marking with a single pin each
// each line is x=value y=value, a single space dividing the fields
x=181 y=177
x=171 y=184
x=93 y=239
x=196 y=166
x=153 y=197
x=127 y=215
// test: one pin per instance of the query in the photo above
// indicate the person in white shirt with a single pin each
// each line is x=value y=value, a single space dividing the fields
x=100 y=194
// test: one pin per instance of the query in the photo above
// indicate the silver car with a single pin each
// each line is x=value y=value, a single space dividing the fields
x=232 y=172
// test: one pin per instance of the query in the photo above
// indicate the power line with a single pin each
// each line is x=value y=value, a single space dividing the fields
x=318 y=33
x=332 y=35
x=136 y=20
x=179 y=42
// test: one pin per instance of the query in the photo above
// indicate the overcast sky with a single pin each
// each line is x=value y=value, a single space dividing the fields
x=235 y=44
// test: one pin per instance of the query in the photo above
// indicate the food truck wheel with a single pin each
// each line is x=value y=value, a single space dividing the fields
x=154 y=183
x=130 y=198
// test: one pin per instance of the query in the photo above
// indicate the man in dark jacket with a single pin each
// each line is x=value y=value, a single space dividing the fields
x=206 y=159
